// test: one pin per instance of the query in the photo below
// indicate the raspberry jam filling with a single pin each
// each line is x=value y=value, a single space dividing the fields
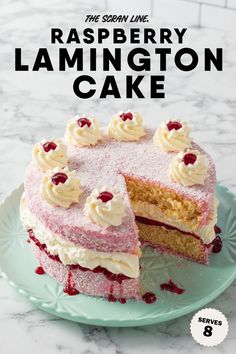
x=83 y=121
x=125 y=116
x=189 y=159
x=105 y=196
x=59 y=178
x=174 y=125
x=49 y=145
x=172 y=287
x=109 y=275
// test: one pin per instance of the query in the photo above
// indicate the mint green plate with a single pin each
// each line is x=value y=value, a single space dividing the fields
x=201 y=283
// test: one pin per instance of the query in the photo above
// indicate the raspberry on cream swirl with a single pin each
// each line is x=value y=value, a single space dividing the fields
x=127 y=126
x=60 y=187
x=49 y=154
x=188 y=168
x=105 y=208
x=172 y=136
x=83 y=131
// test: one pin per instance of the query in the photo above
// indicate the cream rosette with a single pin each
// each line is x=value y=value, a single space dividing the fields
x=172 y=136
x=83 y=131
x=60 y=187
x=105 y=207
x=49 y=154
x=189 y=168
x=127 y=126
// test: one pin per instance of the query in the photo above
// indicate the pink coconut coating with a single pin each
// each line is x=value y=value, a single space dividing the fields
x=95 y=284
x=105 y=165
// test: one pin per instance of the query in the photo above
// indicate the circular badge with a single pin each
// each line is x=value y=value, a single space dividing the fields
x=209 y=327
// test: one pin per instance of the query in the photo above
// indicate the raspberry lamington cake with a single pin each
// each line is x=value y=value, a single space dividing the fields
x=92 y=198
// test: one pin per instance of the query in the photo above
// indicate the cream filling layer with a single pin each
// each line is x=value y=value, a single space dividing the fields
x=69 y=253
x=151 y=211
x=105 y=214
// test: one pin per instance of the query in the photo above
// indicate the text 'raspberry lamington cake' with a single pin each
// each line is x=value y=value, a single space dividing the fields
x=93 y=197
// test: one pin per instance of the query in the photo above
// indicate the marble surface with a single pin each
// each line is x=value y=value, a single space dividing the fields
x=37 y=105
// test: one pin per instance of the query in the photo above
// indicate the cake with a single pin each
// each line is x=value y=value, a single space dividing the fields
x=93 y=199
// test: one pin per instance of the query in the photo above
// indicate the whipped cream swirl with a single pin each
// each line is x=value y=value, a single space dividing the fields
x=172 y=139
x=49 y=154
x=105 y=213
x=189 y=173
x=60 y=187
x=127 y=126
x=83 y=131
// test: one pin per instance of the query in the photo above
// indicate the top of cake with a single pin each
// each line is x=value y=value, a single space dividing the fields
x=101 y=162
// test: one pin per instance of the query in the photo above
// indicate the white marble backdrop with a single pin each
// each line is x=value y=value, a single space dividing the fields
x=37 y=105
